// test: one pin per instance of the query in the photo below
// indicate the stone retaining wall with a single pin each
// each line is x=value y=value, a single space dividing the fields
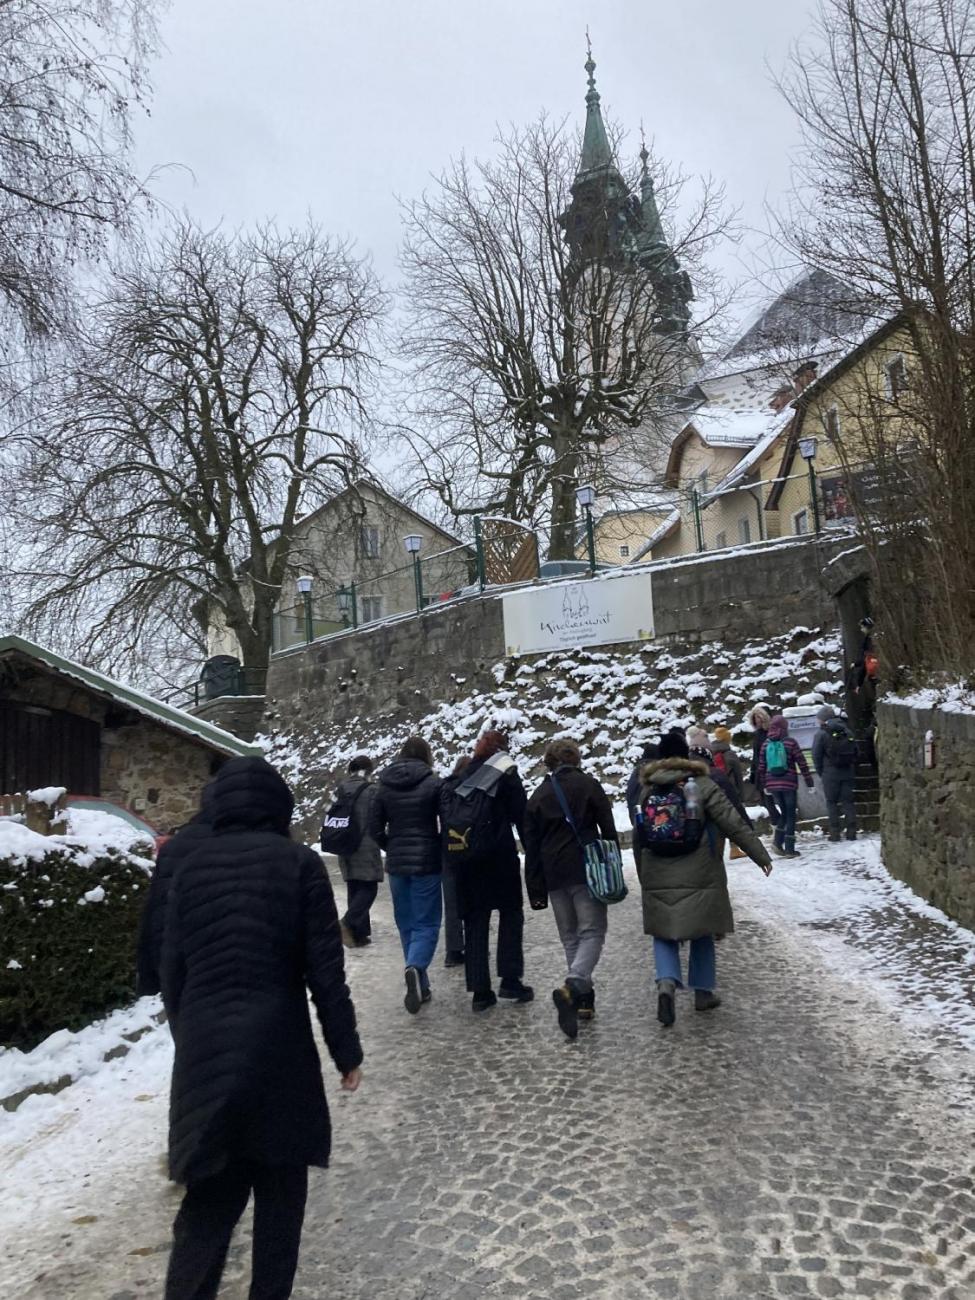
x=927 y=816
x=241 y=715
x=404 y=667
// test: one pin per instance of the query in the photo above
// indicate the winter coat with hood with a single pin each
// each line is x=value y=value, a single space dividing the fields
x=403 y=818
x=497 y=887
x=822 y=761
x=687 y=897
x=794 y=757
x=251 y=924
x=553 y=856
x=366 y=861
x=152 y=925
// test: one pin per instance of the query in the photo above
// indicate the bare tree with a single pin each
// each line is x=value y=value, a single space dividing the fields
x=886 y=201
x=71 y=74
x=536 y=363
x=216 y=397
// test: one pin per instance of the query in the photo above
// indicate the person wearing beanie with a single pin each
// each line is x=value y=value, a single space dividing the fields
x=685 y=893
x=633 y=786
x=697 y=738
x=779 y=765
x=362 y=867
x=834 y=754
x=727 y=762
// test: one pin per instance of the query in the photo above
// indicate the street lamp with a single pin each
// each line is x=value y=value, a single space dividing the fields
x=807 y=450
x=413 y=543
x=304 y=591
x=586 y=496
x=344 y=597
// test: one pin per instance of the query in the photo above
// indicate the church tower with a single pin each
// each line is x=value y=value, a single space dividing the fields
x=606 y=223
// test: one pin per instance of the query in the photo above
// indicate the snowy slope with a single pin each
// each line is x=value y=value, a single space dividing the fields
x=611 y=702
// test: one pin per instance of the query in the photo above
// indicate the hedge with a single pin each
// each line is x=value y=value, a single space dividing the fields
x=65 y=961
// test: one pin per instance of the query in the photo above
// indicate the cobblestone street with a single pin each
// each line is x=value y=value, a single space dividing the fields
x=801 y=1141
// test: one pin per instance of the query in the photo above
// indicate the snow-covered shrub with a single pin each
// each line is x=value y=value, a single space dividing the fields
x=68 y=924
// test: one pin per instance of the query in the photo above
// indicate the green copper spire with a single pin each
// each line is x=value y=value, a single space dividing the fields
x=653 y=231
x=596 y=152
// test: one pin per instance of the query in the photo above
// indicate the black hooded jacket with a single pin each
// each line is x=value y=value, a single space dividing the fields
x=251 y=923
x=403 y=818
x=172 y=853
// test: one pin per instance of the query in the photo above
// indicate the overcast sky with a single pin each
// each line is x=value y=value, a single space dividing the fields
x=293 y=106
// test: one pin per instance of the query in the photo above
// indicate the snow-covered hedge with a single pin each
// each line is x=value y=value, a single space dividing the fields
x=69 y=914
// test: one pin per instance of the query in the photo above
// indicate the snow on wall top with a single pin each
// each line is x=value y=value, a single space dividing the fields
x=611 y=702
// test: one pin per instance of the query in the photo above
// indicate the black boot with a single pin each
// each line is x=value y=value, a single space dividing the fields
x=484 y=1000
x=515 y=991
x=666 y=1012
x=587 y=1005
x=567 y=1009
x=454 y=957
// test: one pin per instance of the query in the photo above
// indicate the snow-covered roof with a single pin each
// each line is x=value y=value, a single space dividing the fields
x=165 y=714
x=663 y=529
x=775 y=428
x=724 y=428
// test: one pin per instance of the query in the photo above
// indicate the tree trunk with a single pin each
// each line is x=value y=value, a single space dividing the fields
x=561 y=542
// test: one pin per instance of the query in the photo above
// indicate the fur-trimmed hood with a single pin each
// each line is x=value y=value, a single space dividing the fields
x=667 y=771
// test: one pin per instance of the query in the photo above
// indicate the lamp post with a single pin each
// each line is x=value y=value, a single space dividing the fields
x=344 y=597
x=586 y=496
x=413 y=544
x=807 y=450
x=304 y=591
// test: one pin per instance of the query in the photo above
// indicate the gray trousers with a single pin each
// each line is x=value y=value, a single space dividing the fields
x=582 y=929
x=840 y=804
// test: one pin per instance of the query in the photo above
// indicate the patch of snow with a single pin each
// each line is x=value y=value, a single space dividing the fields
x=49 y=794
x=949 y=697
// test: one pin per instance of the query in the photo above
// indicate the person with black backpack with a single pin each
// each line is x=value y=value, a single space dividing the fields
x=479 y=804
x=345 y=833
x=834 y=753
x=683 y=822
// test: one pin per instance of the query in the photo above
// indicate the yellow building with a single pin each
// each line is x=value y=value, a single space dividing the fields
x=856 y=405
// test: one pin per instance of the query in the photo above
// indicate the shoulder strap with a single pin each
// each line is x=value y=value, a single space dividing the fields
x=564 y=805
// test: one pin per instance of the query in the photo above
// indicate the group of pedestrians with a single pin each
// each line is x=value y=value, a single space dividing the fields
x=241 y=924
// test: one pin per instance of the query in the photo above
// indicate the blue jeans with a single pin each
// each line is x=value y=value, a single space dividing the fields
x=785 y=832
x=701 y=972
x=418 y=909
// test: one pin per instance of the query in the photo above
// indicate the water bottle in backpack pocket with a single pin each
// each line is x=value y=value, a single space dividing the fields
x=671 y=821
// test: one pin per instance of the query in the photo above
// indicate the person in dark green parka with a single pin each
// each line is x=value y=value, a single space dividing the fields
x=685 y=898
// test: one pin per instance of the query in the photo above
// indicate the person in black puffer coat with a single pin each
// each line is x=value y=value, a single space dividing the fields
x=173 y=852
x=251 y=923
x=496 y=886
x=403 y=822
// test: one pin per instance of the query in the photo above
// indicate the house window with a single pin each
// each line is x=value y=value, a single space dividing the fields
x=721 y=541
x=369 y=541
x=744 y=531
x=800 y=522
x=896 y=375
x=370 y=608
x=624 y=552
x=833 y=424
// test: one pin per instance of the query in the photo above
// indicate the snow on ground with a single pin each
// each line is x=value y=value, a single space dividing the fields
x=949 y=697
x=75 y=1055
x=74 y=1164
x=885 y=938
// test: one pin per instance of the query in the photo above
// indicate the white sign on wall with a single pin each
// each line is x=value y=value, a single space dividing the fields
x=568 y=614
